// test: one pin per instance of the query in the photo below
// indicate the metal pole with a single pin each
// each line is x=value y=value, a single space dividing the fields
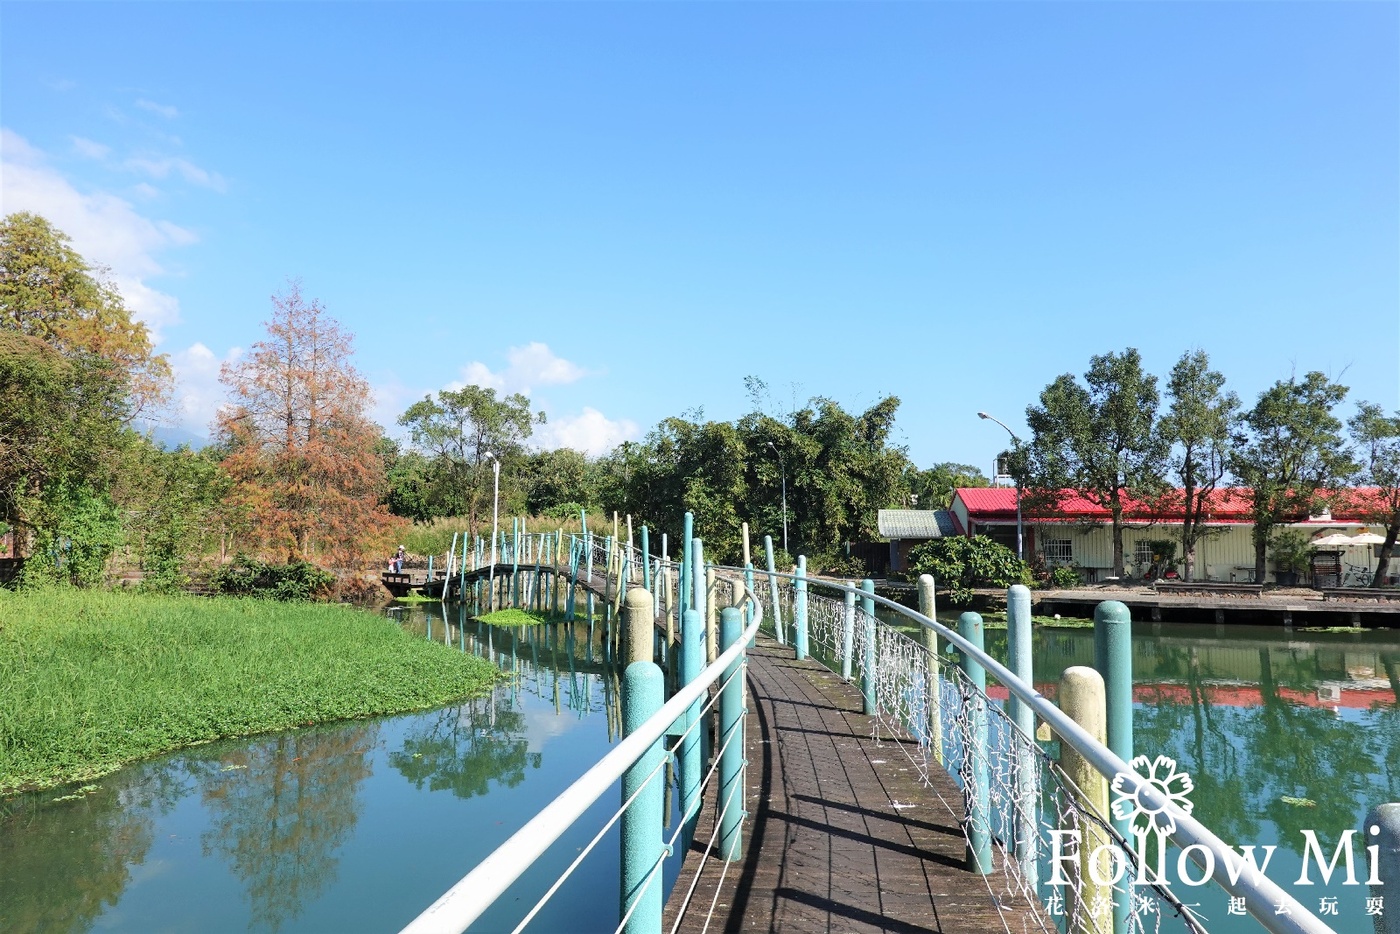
x=933 y=685
x=976 y=792
x=1016 y=444
x=1018 y=637
x=1113 y=658
x=778 y=627
x=642 y=841
x=799 y=608
x=731 y=739
x=867 y=606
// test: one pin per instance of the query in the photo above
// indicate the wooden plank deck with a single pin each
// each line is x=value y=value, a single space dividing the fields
x=825 y=848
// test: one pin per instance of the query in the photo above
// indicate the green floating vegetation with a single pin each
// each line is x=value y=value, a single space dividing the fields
x=514 y=617
x=90 y=680
x=1298 y=802
x=1332 y=629
x=412 y=598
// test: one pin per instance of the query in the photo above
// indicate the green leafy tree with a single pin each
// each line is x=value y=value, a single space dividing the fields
x=1288 y=452
x=1377 y=437
x=48 y=291
x=455 y=432
x=1100 y=441
x=61 y=436
x=555 y=480
x=76 y=529
x=933 y=488
x=962 y=563
x=1198 y=424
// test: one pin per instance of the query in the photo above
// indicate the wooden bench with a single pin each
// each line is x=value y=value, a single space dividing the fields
x=1165 y=586
x=1360 y=593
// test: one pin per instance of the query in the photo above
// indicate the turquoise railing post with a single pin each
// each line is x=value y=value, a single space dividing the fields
x=933 y=682
x=572 y=597
x=692 y=663
x=799 y=608
x=642 y=842
x=748 y=610
x=646 y=558
x=1019 y=648
x=976 y=791
x=588 y=552
x=731 y=740
x=515 y=565
x=1113 y=658
x=867 y=668
x=683 y=585
x=848 y=634
x=697 y=578
x=773 y=590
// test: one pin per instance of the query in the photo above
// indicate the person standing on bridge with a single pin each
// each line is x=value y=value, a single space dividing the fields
x=398 y=561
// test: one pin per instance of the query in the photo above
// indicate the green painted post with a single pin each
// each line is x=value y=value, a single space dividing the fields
x=748 y=610
x=1113 y=659
x=697 y=577
x=933 y=685
x=692 y=663
x=687 y=563
x=588 y=556
x=848 y=634
x=1019 y=648
x=778 y=627
x=976 y=791
x=731 y=739
x=515 y=564
x=642 y=844
x=799 y=608
x=871 y=702
x=646 y=558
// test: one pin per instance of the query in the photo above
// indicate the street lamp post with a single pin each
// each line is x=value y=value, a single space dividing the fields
x=495 y=512
x=782 y=465
x=1016 y=442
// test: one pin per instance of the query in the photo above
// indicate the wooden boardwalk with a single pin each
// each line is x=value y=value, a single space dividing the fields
x=825 y=849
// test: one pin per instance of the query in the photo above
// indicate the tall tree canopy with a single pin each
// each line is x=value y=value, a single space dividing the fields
x=1198 y=425
x=1378 y=438
x=50 y=292
x=1102 y=441
x=454 y=432
x=1290 y=449
x=301 y=449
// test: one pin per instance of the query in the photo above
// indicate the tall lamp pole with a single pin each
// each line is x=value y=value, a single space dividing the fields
x=1016 y=442
x=495 y=512
x=782 y=465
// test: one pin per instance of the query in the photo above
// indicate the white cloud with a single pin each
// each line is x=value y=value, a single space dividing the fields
x=104 y=228
x=162 y=166
x=590 y=431
x=146 y=190
x=198 y=393
x=526 y=367
x=89 y=149
x=165 y=110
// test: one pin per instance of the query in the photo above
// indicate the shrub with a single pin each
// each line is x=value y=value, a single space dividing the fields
x=1064 y=578
x=960 y=564
x=249 y=577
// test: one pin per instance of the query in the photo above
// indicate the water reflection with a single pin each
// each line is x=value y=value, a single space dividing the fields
x=279 y=812
x=464 y=749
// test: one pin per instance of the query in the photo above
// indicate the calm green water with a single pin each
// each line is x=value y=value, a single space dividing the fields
x=358 y=827
x=355 y=827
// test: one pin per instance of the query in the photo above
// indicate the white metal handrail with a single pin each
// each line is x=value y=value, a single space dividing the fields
x=1265 y=899
x=475 y=892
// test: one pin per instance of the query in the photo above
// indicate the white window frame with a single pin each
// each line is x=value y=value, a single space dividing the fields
x=1052 y=552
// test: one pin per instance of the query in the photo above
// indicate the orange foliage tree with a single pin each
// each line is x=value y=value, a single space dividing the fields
x=301 y=448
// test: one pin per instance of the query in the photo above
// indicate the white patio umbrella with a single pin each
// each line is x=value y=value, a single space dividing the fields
x=1335 y=540
x=1367 y=538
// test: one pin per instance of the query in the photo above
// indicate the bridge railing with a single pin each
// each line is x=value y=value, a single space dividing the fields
x=640 y=760
x=1056 y=846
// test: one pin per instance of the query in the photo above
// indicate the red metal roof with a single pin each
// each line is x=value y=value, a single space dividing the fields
x=1230 y=505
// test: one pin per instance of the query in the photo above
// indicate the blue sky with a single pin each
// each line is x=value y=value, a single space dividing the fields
x=624 y=209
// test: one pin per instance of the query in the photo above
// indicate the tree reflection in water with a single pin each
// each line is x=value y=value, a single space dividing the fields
x=63 y=864
x=280 y=809
x=463 y=749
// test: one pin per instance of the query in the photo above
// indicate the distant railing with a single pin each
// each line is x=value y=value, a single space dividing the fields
x=640 y=761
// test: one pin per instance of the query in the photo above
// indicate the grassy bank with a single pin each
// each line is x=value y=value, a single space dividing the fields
x=92 y=680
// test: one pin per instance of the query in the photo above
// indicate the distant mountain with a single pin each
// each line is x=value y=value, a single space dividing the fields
x=171 y=437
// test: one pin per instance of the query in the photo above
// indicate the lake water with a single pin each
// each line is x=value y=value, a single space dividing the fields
x=357 y=827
